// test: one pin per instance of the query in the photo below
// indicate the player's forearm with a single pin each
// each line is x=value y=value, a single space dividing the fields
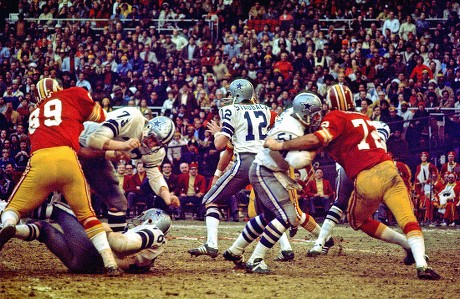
x=220 y=141
x=306 y=142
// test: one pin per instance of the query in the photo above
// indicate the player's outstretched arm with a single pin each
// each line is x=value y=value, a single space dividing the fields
x=306 y=142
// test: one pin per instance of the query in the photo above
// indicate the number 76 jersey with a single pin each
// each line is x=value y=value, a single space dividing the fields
x=351 y=140
x=246 y=125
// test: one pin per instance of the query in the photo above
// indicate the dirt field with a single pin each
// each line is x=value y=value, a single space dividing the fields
x=357 y=267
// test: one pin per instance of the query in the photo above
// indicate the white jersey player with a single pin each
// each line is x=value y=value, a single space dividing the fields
x=245 y=124
x=126 y=129
x=272 y=185
x=135 y=250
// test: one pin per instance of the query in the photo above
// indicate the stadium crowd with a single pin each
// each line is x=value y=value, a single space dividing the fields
x=399 y=58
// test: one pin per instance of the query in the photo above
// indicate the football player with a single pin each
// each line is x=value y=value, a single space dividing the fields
x=54 y=128
x=135 y=250
x=245 y=123
x=272 y=184
x=340 y=97
x=345 y=136
x=123 y=127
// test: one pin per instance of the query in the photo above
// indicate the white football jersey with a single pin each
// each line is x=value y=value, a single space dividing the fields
x=121 y=125
x=153 y=241
x=246 y=126
x=286 y=128
x=124 y=123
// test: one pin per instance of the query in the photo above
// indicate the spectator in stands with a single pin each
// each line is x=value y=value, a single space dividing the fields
x=257 y=11
x=191 y=188
x=450 y=165
x=132 y=186
x=391 y=23
x=6 y=159
x=319 y=192
x=82 y=82
x=407 y=27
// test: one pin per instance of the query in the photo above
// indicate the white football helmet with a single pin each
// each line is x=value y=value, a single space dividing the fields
x=161 y=129
x=157 y=218
x=307 y=107
x=45 y=87
x=240 y=90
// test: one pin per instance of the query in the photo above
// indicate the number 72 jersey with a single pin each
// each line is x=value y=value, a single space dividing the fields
x=246 y=125
x=351 y=140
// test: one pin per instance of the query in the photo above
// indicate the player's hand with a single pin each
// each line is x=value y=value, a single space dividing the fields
x=273 y=144
x=131 y=144
x=214 y=127
x=175 y=202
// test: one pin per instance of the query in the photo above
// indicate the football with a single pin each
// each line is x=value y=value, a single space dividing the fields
x=300 y=159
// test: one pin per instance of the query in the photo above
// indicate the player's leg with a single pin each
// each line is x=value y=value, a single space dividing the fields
x=75 y=190
x=252 y=230
x=100 y=175
x=275 y=199
x=397 y=200
x=344 y=189
x=31 y=191
x=230 y=183
x=71 y=246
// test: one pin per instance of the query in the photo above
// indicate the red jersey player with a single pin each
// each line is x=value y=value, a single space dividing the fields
x=352 y=140
x=55 y=126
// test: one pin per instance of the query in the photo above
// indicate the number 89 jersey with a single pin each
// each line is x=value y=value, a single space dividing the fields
x=352 y=141
x=246 y=125
x=58 y=120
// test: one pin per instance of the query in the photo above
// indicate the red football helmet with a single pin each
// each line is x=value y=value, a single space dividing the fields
x=340 y=97
x=45 y=87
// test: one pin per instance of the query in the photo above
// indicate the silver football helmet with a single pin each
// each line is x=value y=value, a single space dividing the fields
x=161 y=129
x=157 y=218
x=307 y=107
x=240 y=90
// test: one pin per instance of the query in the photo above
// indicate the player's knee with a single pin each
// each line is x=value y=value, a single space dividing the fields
x=213 y=211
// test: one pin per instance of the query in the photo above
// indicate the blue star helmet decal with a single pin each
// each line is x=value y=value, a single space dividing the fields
x=239 y=86
x=306 y=106
x=157 y=123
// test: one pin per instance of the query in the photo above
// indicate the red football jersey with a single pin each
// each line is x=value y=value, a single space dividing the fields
x=352 y=141
x=58 y=120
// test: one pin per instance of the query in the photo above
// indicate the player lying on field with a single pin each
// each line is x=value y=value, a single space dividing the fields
x=135 y=250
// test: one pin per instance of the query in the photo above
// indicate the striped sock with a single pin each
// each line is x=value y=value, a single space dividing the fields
x=116 y=220
x=212 y=226
x=284 y=243
x=27 y=232
x=253 y=229
x=309 y=223
x=272 y=233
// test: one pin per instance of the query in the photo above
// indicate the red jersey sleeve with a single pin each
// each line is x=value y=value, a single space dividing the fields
x=352 y=141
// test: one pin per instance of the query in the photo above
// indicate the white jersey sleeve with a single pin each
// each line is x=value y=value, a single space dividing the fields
x=246 y=125
x=137 y=248
x=384 y=132
x=286 y=128
x=121 y=125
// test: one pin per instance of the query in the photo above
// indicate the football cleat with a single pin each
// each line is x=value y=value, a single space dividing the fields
x=204 y=250
x=409 y=259
x=285 y=256
x=112 y=271
x=427 y=274
x=6 y=234
x=257 y=266
x=293 y=231
x=316 y=250
x=238 y=260
x=329 y=243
